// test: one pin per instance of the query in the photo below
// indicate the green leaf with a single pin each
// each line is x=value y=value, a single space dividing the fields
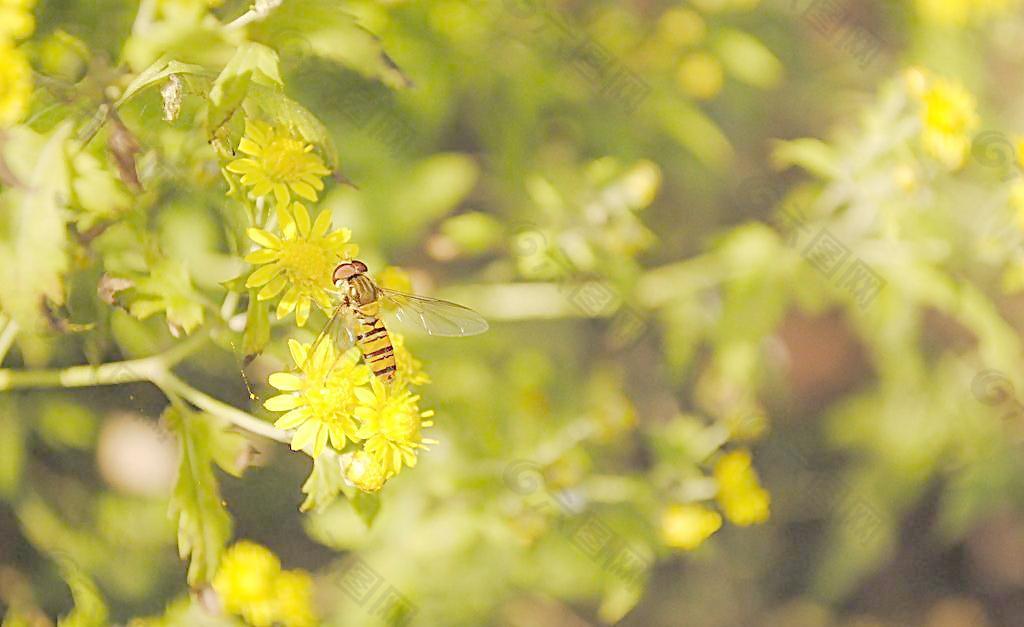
x=272 y=104
x=32 y=231
x=90 y=609
x=813 y=155
x=257 y=327
x=168 y=288
x=252 y=64
x=327 y=31
x=157 y=72
x=325 y=481
x=204 y=526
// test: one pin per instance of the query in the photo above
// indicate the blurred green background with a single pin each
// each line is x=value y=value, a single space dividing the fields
x=697 y=229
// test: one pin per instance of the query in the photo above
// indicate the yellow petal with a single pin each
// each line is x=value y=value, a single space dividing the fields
x=320 y=226
x=293 y=419
x=305 y=190
x=273 y=288
x=286 y=381
x=302 y=312
x=265 y=239
x=283 y=402
x=263 y=255
x=298 y=351
x=365 y=397
x=243 y=166
x=287 y=303
x=305 y=435
x=250 y=147
x=338 y=238
x=281 y=194
x=263 y=275
x=321 y=441
x=301 y=218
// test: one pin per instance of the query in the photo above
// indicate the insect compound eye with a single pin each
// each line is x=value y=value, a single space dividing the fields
x=344 y=272
x=360 y=266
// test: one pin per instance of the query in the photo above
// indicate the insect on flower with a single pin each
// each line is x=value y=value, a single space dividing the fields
x=356 y=318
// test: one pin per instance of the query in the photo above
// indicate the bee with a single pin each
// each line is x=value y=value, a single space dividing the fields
x=357 y=318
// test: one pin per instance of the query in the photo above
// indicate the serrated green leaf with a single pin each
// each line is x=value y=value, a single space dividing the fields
x=90 y=609
x=32 y=231
x=326 y=480
x=252 y=64
x=328 y=31
x=204 y=526
x=157 y=72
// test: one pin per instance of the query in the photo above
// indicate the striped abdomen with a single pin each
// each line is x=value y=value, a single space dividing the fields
x=375 y=344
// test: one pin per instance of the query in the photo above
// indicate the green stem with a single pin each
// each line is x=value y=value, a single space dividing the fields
x=171 y=384
x=113 y=373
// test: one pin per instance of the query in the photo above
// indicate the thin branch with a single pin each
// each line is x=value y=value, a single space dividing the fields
x=173 y=385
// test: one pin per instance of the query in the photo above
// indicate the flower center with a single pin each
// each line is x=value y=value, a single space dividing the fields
x=284 y=158
x=400 y=424
x=306 y=263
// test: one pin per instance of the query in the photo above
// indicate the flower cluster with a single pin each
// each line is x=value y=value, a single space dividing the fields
x=278 y=162
x=333 y=399
x=251 y=584
x=948 y=117
x=16 y=23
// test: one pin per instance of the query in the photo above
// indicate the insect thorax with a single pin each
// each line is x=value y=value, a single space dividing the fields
x=362 y=291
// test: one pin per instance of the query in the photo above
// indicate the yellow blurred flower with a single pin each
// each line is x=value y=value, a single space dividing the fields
x=244 y=582
x=365 y=472
x=320 y=403
x=700 y=75
x=302 y=260
x=391 y=424
x=293 y=593
x=681 y=27
x=251 y=584
x=687 y=526
x=16 y=19
x=740 y=494
x=278 y=162
x=948 y=117
x=961 y=12
x=15 y=84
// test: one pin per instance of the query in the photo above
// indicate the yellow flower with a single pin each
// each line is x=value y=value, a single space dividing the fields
x=740 y=494
x=244 y=582
x=16 y=19
x=391 y=422
x=251 y=584
x=303 y=260
x=700 y=75
x=365 y=472
x=320 y=403
x=293 y=592
x=409 y=370
x=948 y=117
x=688 y=526
x=278 y=162
x=15 y=83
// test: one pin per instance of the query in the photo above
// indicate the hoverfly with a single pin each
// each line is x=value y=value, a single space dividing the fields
x=357 y=315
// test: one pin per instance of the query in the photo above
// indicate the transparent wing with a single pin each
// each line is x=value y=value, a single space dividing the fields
x=338 y=331
x=435 y=316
